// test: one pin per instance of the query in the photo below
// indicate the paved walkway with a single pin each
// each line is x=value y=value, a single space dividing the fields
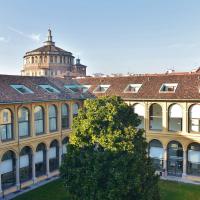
x=179 y=179
x=32 y=187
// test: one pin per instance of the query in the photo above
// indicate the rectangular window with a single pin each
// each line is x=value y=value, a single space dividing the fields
x=132 y=88
x=168 y=87
x=22 y=89
x=49 y=89
x=39 y=126
x=101 y=88
x=23 y=129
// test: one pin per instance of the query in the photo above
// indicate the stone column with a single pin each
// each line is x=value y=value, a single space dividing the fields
x=15 y=125
x=146 y=117
x=165 y=161
x=32 y=127
x=59 y=125
x=46 y=119
x=71 y=114
x=185 y=119
x=47 y=162
x=165 y=117
x=17 y=172
x=184 y=163
x=0 y=180
x=60 y=154
x=33 y=169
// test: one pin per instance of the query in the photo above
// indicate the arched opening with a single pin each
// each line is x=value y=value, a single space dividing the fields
x=54 y=156
x=156 y=154
x=52 y=118
x=75 y=109
x=40 y=160
x=64 y=146
x=193 y=159
x=6 y=124
x=39 y=120
x=23 y=122
x=8 y=170
x=139 y=110
x=155 y=116
x=175 y=118
x=65 y=116
x=25 y=164
x=194 y=118
x=174 y=159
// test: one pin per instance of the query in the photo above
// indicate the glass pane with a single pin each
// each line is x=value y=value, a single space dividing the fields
x=39 y=126
x=23 y=129
x=52 y=124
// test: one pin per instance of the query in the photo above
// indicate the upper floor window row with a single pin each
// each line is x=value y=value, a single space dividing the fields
x=135 y=87
x=175 y=117
x=24 y=123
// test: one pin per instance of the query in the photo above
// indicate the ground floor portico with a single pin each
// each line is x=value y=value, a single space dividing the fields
x=175 y=156
x=31 y=164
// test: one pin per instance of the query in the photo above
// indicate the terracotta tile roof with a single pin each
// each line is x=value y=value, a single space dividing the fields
x=187 y=89
x=188 y=86
x=10 y=95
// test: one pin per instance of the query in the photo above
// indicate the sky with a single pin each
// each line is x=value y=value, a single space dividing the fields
x=109 y=36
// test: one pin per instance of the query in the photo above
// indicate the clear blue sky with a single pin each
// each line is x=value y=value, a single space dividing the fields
x=109 y=35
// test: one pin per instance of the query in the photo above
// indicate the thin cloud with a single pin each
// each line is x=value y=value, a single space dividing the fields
x=33 y=36
x=3 y=39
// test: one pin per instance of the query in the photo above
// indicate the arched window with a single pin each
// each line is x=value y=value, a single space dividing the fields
x=6 y=124
x=139 y=110
x=65 y=116
x=174 y=159
x=194 y=118
x=75 y=109
x=40 y=160
x=156 y=154
x=64 y=145
x=32 y=58
x=54 y=156
x=8 y=170
x=39 y=120
x=193 y=159
x=155 y=116
x=52 y=118
x=175 y=118
x=25 y=164
x=23 y=122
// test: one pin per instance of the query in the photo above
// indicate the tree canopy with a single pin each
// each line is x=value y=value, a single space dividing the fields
x=107 y=155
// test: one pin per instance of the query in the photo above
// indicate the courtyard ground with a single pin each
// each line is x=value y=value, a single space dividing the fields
x=168 y=190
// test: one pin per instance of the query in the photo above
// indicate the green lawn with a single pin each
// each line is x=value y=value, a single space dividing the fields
x=169 y=191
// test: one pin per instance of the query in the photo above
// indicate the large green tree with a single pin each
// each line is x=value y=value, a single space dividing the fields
x=107 y=158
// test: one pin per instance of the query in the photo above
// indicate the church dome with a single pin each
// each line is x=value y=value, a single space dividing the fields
x=50 y=60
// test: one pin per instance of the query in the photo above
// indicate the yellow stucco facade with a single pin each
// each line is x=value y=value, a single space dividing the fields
x=17 y=144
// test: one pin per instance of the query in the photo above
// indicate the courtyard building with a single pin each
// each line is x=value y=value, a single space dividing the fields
x=36 y=115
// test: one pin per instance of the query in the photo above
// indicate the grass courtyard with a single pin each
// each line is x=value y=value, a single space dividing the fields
x=168 y=190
